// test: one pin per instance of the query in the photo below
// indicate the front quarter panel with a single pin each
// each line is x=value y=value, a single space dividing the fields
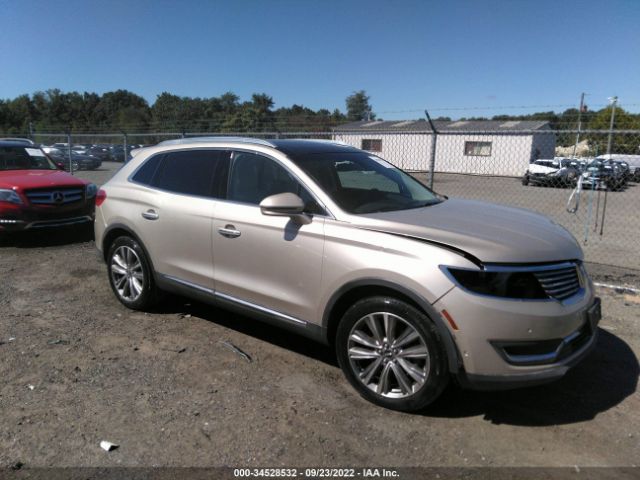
x=353 y=254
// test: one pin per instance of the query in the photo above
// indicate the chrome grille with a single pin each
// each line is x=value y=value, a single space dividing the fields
x=559 y=283
x=57 y=196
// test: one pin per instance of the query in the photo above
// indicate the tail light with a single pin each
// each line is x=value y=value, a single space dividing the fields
x=101 y=196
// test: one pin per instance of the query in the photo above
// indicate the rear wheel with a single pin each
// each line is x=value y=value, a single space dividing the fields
x=392 y=354
x=130 y=274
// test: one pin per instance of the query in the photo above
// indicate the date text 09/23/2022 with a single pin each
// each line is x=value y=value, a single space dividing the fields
x=315 y=472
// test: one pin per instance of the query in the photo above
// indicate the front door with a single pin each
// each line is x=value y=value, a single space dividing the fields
x=269 y=262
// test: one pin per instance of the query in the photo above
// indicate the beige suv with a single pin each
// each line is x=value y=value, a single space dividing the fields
x=334 y=243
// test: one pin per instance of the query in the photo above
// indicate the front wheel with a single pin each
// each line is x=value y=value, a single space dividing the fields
x=392 y=354
x=130 y=274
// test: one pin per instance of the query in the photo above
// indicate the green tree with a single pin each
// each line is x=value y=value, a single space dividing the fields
x=620 y=143
x=358 y=107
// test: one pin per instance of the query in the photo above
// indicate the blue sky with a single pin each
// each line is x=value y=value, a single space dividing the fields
x=479 y=56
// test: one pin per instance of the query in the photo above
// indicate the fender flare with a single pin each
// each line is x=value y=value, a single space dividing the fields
x=453 y=355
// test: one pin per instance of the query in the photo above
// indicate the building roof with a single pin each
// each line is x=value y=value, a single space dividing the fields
x=448 y=126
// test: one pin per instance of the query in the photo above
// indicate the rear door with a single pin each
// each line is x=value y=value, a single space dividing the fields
x=177 y=225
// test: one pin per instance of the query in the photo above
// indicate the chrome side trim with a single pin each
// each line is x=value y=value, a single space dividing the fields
x=260 y=308
x=189 y=284
x=232 y=299
x=545 y=358
x=59 y=223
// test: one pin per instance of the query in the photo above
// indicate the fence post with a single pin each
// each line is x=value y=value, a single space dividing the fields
x=69 y=151
x=432 y=155
x=124 y=141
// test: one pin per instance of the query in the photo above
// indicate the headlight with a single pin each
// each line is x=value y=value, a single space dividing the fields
x=523 y=285
x=9 y=196
x=92 y=189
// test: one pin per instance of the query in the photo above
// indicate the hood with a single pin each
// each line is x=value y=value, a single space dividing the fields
x=489 y=232
x=533 y=168
x=26 y=179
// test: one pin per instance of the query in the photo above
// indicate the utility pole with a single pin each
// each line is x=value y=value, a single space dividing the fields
x=432 y=155
x=575 y=147
x=614 y=101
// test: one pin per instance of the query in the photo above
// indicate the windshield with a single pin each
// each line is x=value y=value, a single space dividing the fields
x=24 y=158
x=362 y=183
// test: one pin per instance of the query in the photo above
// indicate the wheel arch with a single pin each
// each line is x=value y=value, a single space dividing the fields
x=118 y=230
x=350 y=293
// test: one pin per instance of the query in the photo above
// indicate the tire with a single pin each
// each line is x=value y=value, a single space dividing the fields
x=365 y=355
x=130 y=274
x=525 y=180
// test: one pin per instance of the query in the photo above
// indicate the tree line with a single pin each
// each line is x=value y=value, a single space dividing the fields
x=55 y=111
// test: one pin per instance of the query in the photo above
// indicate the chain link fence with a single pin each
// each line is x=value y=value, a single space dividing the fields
x=567 y=175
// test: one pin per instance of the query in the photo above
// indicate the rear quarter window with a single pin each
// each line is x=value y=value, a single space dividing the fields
x=146 y=172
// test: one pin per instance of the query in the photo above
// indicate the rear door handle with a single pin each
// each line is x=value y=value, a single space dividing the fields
x=150 y=215
x=229 y=231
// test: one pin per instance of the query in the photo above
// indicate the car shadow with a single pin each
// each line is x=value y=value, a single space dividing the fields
x=251 y=327
x=50 y=237
x=600 y=382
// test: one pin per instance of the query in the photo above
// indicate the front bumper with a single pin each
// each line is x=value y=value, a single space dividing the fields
x=532 y=378
x=511 y=343
x=22 y=218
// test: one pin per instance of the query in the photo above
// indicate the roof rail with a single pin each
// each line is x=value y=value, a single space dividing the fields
x=188 y=140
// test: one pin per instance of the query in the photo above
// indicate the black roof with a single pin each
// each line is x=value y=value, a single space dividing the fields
x=13 y=143
x=297 y=147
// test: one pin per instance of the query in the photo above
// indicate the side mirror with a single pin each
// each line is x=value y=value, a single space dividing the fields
x=283 y=205
x=60 y=165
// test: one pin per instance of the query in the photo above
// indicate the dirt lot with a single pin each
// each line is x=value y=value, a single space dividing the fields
x=78 y=368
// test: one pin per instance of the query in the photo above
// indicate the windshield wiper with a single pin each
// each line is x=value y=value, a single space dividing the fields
x=426 y=204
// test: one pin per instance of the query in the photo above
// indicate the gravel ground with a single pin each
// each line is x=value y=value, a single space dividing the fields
x=79 y=368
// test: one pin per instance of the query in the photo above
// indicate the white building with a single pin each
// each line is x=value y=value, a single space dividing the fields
x=489 y=147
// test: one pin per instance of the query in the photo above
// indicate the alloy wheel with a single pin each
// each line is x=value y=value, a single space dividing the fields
x=127 y=273
x=388 y=355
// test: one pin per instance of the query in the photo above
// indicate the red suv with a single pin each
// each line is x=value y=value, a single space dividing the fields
x=34 y=193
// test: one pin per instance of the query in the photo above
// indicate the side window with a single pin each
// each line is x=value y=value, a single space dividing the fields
x=146 y=172
x=190 y=172
x=255 y=177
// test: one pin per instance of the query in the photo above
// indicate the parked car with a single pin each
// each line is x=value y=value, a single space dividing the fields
x=604 y=174
x=85 y=162
x=117 y=152
x=335 y=243
x=23 y=141
x=102 y=153
x=560 y=172
x=632 y=161
x=60 y=158
x=35 y=194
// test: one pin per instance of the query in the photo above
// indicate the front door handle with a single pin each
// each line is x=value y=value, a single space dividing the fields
x=229 y=231
x=150 y=215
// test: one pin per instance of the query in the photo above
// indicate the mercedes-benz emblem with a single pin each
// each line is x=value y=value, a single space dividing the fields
x=57 y=197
